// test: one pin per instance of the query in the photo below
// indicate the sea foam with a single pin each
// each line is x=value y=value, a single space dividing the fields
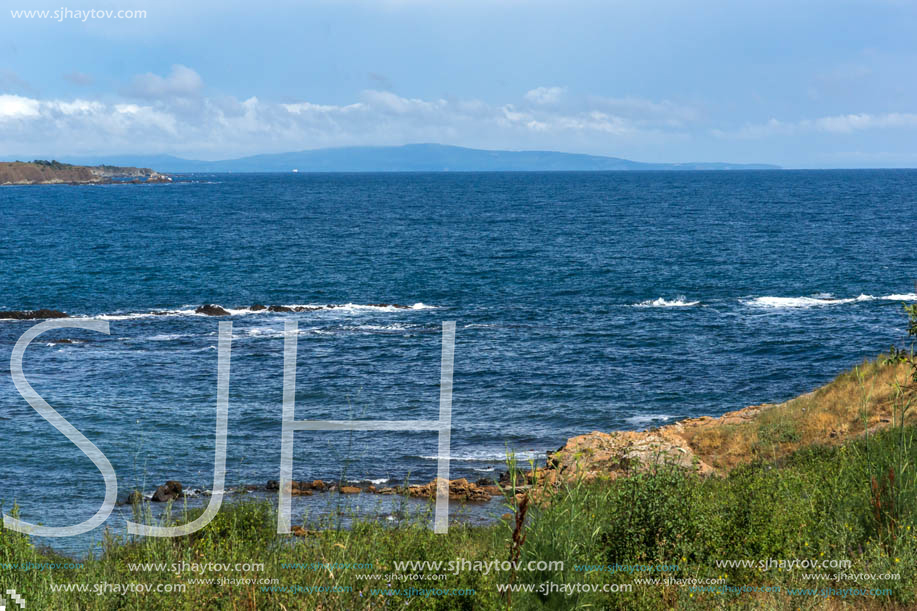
x=678 y=302
x=820 y=300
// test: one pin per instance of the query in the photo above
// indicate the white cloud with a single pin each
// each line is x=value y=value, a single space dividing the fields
x=545 y=95
x=75 y=107
x=837 y=124
x=845 y=124
x=181 y=82
x=18 y=107
x=167 y=118
x=643 y=110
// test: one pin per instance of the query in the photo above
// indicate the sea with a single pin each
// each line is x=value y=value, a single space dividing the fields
x=582 y=301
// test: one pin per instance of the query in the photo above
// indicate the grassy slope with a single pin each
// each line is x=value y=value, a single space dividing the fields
x=797 y=492
x=862 y=398
x=24 y=173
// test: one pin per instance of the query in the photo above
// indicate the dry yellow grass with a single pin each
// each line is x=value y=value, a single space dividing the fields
x=868 y=397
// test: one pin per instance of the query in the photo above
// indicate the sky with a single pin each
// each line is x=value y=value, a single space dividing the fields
x=811 y=84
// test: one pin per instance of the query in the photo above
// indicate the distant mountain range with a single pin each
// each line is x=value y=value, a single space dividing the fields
x=407 y=158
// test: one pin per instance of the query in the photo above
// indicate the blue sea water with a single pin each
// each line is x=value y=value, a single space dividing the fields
x=583 y=301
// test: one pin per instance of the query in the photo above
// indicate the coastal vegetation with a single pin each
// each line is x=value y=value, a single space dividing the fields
x=44 y=172
x=806 y=504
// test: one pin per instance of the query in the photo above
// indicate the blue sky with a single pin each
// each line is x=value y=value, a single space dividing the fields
x=815 y=84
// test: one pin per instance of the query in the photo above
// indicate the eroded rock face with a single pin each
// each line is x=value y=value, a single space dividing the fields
x=32 y=314
x=211 y=310
x=169 y=491
x=459 y=490
x=616 y=453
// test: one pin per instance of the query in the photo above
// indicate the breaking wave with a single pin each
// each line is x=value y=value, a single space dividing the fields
x=678 y=302
x=487 y=456
x=277 y=309
x=820 y=300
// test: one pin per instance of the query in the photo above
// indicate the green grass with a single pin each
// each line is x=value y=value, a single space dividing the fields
x=822 y=502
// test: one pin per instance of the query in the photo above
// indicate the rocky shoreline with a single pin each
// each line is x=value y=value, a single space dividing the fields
x=41 y=172
x=480 y=491
x=707 y=446
x=208 y=309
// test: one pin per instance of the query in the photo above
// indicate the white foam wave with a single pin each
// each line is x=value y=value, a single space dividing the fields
x=167 y=337
x=488 y=456
x=265 y=332
x=648 y=418
x=392 y=327
x=357 y=307
x=803 y=302
x=678 y=302
x=901 y=297
x=135 y=315
x=191 y=310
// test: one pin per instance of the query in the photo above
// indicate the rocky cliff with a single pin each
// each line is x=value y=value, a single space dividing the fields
x=41 y=172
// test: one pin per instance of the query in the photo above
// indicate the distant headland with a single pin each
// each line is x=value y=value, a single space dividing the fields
x=42 y=172
x=411 y=158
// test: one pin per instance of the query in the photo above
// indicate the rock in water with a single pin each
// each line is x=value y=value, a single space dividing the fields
x=169 y=491
x=32 y=314
x=211 y=310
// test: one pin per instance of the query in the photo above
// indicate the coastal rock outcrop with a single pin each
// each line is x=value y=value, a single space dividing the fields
x=169 y=491
x=32 y=314
x=616 y=453
x=459 y=490
x=210 y=309
x=44 y=172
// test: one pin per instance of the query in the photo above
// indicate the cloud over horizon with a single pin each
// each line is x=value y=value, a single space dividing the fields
x=170 y=114
x=670 y=82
